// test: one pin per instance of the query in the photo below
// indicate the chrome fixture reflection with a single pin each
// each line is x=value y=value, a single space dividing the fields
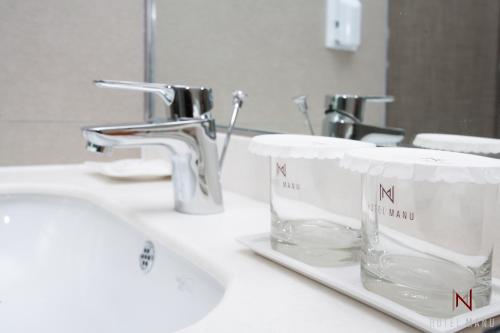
x=301 y=102
x=149 y=56
x=189 y=134
x=344 y=119
x=238 y=98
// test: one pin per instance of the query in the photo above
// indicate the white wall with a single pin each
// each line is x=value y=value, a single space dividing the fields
x=274 y=50
x=50 y=51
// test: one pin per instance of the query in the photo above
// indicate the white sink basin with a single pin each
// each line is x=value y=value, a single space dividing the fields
x=67 y=265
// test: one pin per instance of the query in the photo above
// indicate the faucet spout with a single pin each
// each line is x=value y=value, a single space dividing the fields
x=195 y=175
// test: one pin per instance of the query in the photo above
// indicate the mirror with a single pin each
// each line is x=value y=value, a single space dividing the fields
x=437 y=58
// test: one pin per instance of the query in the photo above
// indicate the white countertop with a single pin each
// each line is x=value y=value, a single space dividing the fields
x=261 y=296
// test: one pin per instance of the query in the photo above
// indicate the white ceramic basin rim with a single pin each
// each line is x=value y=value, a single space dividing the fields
x=70 y=266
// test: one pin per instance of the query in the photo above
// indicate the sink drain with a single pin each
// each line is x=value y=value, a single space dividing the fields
x=147 y=257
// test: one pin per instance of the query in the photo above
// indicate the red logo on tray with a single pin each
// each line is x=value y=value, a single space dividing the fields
x=465 y=300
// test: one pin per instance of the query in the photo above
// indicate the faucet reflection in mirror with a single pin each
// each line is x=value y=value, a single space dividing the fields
x=189 y=134
x=344 y=119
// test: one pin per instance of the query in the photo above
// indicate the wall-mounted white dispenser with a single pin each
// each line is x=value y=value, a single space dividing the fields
x=343 y=24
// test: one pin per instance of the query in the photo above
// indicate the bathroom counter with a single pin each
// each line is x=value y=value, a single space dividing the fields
x=261 y=296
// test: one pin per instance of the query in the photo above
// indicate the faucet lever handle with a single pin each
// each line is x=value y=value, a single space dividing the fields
x=378 y=99
x=166 y=93
x=353 y=104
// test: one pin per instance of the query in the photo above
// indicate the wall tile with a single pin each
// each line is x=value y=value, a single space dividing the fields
x=25 y=143
x=50 y=53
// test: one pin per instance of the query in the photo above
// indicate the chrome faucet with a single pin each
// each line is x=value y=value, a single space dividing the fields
x=189 y=134
x=344 y=119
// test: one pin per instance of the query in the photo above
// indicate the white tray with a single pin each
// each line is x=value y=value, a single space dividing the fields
x=347 y=281
x=138 y=169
